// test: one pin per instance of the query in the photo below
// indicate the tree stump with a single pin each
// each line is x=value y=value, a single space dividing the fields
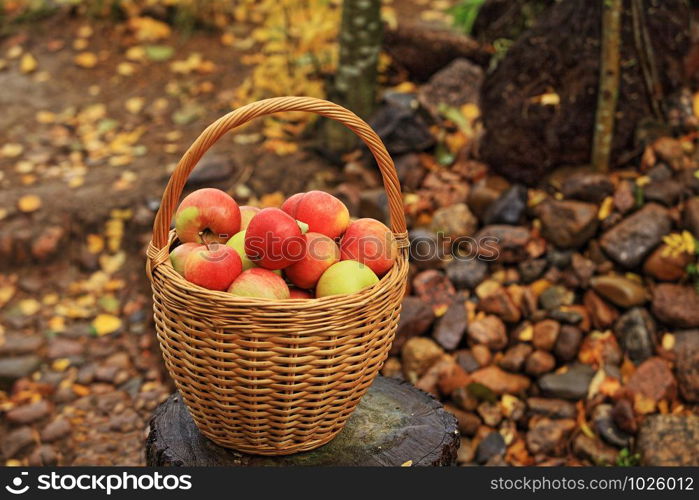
x=394 y=424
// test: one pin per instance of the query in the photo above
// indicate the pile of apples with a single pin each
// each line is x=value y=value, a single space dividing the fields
x=307 y=248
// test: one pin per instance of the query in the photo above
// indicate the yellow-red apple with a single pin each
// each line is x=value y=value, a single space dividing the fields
x=246 y=214
x=320 y=253
x=322 y=212
x=206 y=216
x=370 y=242
x=213 y=266
x=179 y=255
x=262 y=283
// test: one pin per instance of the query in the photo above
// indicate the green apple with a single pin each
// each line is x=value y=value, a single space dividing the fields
x=347 y=276
x=237 y=243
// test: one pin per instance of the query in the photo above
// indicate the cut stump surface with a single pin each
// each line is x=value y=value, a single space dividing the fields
x=394 y=424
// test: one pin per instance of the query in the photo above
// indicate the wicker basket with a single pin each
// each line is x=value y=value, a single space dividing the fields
x=273 y=377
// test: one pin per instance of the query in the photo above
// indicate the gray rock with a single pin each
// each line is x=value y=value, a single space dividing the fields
x=531 y=270
x=572 y=385
x=549 y=407
x=415 y=319
x=16 y=440
x=450 y=328
x=509 y=208
x=20 y=344
x=466 y=273
x=211 y=169
x=17 y=367
x=636 y=332
x=630 y=241
x=491 y=446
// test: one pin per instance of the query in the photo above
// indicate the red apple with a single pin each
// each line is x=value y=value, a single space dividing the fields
x=262 y=283
x=297 y=293
x=289 y=205
x=214 y=266
x=321 y=252
x=322 y=212
x=179 y=255
x=246 y=214
x=273 y=239
x=207 y=215
x=370 y=242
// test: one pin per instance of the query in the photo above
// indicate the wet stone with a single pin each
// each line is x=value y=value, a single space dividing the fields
x=630 y=241
x=587 y=186
x=567 y=224
x=545 y=334
x=539 y=362
x=20 y=344
x=687 y=365
x=44 y=455
x=676 y=305
x=467 y=361
x=606 y=427
x=653 y=380
x=568 y=343
x=572 y=385
x=489 y=331
x=29 y=413
x=454 y=221
x=491 y=446
x=55 y=430
x=514 y=357
x=17 y=367
x=549 y=436
x=451 y=327
x=415 y=319
x=16 y=440
x=509 y=208
x=594 y=450
x=466 y=273
x=553 y=408
x=636 y=332
x=619 y=290
x=531 y=270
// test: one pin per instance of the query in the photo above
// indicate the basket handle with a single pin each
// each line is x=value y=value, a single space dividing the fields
x=213 y=133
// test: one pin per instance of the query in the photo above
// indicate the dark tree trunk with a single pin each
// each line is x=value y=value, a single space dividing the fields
x=527 y=136
x=354 y=86
x=394 y=424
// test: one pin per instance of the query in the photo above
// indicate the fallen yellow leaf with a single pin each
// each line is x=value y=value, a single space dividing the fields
x=28 y=63
x=134 y=105
x=29 y=307
x=29 y=203
x=105 y=324
x=12 y=150
x=86 y=60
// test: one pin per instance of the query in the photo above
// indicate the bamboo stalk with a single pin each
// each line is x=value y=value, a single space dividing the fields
x=608 y=92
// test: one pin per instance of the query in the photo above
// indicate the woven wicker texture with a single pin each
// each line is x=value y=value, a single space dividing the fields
x=273 y=377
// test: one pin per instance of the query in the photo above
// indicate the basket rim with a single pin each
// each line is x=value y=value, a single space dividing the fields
x=394 y=277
